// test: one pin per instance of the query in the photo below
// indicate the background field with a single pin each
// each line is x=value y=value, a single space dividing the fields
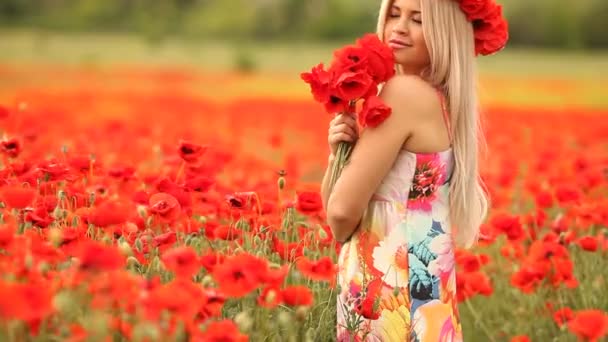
x=524 y=77
x=126 y=97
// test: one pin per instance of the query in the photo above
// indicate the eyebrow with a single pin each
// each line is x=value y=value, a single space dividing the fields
x=397 y=8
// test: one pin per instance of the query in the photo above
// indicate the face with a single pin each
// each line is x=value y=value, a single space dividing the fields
x=403 y=33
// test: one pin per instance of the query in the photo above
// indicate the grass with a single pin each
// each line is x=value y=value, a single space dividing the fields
x=45 y=47
x=514 y=77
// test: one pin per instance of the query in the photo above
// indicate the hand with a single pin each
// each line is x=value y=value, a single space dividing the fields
x=342 y=128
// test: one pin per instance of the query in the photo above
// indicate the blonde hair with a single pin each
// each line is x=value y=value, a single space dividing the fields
x=451 y=45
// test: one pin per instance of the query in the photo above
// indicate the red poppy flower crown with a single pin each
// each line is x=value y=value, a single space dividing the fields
x=490 y=27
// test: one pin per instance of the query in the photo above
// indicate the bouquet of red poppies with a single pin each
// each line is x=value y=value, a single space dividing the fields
x=354 y=75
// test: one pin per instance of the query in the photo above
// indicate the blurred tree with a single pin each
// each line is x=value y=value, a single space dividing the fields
x=594 y=25
x=550 y=23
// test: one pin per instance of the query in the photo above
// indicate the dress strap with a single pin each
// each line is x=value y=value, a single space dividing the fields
x=446 y=115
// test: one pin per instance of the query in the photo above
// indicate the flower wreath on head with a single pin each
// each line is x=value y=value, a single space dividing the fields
x=489 y=25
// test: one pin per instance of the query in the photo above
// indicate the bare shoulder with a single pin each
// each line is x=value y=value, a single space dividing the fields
x=408 y=95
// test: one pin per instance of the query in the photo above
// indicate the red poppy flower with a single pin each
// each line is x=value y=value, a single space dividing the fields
x=165 y=239
x=240 y=274
x=11 y=147
x=190 y=152
x=319 y=81
x=510 y=225
x=4 y=112
x=222 y=331
x=17 y=197
x=350 y=58
x=374 y=112
x=214 y=305
x=588 y=243
x=322 y=269
x=380 y=58
x=270 y=297
x=199 y=183
x=567 y=194
x=309 y=202
x=53 y=170
x=164 y=206
x=287 y=251
x=276 y=276
x=39 y=217
x=25 y=301
x=352 y=86
x=491 y=31
x=109 y=213
x=368 y=307
x=122 y=172
x=96 y=256
x=476 y=9
x=297 y=295
x=589 y=325
x=210 y=260
x=563 y=316
x=183 y=261
x=169 y=187
x=183 y=299
x=529 y=277
x=544 y=199
x=227 y=233
x=241 y=200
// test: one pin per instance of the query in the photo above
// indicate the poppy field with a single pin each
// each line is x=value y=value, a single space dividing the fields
x=156 y=204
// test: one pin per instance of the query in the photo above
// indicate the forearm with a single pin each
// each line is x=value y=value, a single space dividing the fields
x=325 y=192
x=342 y=226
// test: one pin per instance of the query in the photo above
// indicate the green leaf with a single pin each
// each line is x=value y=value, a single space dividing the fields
x=422 y=252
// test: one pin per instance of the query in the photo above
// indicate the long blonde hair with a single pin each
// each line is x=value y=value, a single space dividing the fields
x=451 y=45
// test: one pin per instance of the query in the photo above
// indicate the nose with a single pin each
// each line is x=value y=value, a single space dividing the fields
x=400 y=27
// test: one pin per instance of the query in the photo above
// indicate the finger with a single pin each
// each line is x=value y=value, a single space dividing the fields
x=350 y=120
x=342 y=137
x=352 y=124
x=343 y=127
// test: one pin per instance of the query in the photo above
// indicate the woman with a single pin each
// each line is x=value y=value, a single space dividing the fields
x=412 y=190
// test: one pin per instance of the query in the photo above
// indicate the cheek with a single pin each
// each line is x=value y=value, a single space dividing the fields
x=419 y=38
x=388 y=27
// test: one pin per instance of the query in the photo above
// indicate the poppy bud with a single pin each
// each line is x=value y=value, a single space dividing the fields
x=125 y=248
x=301 y=313
x=132 y=261
x=207 y=281
x=285 y=320
x=44 y=267
x=244 y=321
x=146 y=332
x=138 y=245
x=322 y=234
x=55 y=236
x=63 y=302
x=271 y=296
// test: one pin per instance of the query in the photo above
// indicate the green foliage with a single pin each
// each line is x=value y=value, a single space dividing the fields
x=548 y=23
x=244 y=61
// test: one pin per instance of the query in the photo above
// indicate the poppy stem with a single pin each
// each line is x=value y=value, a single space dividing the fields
x=479 y=321
x=180 y=171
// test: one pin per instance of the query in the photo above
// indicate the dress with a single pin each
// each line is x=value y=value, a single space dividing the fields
x=396 y=274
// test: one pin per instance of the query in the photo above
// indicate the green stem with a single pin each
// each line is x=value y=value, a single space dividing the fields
x=478 y=321
x=342 y=157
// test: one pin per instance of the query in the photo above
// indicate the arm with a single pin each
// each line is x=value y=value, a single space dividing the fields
x=325 y=182
x=375 y=153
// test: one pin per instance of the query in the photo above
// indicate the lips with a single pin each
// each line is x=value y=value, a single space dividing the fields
x=397 y=44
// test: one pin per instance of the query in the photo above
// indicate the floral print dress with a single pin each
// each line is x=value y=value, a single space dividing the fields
x=396 y=277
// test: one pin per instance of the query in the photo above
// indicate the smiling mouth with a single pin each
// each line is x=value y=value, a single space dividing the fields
x=395 y=44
